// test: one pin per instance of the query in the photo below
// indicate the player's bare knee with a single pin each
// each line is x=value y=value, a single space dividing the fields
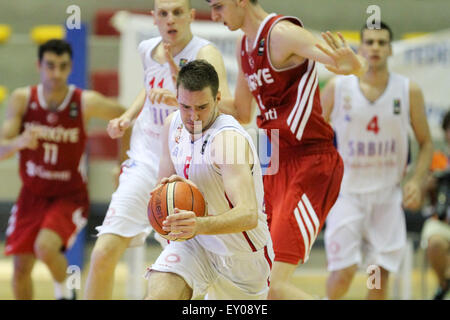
x=343 y=277
x=45 y=251
x=276 y=290
x=437 y=244
x=167 y=286
x=105 y=253
x=22 y=267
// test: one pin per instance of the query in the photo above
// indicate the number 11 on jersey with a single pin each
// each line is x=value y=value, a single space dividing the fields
x=50 y=153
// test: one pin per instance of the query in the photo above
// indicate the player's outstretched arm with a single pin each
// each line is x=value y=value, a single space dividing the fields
x=11 y=140
x=242 y=105
x=412 y=190
x=334 y=53
x=118 y=126
x=96 y=105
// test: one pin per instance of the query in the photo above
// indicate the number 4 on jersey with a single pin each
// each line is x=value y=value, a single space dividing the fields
x=373 y=125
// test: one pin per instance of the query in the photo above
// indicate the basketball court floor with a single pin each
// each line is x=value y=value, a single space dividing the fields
x=311 y=277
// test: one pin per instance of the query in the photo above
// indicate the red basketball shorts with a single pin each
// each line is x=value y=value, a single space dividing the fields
x=65 y=215
x=299 y=197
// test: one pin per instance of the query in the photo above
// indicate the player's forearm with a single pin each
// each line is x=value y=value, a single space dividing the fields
x=124 y=145
x=8 y=147
x=236 y=220
x=423 y=162
x=229 y=106
x=133 y=111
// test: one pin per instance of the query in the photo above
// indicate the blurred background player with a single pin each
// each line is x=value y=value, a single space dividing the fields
x=371 y=116
x=277 y=67
x=229 y=251
x=45 y=124
x=126 y=223
x=436 y=230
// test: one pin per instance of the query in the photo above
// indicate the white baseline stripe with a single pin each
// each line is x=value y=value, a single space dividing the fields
x=299 y=93
x=308 y=109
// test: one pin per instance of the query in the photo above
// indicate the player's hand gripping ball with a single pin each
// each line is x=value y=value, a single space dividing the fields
x=167 y=197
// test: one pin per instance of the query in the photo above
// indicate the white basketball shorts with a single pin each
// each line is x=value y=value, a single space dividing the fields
x=366 y=229
x=127 y=212
x=242 y=276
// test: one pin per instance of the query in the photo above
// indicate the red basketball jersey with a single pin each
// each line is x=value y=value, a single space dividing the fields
x=289 y=99
x=57 y=166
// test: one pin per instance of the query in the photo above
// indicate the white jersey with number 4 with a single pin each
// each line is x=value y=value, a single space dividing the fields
x=145 y=145
x=372 y=137
x=193 y=160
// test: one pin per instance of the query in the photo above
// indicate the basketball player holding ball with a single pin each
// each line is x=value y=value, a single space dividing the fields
x=277 y=61
x=126 y=224
x=227 y=254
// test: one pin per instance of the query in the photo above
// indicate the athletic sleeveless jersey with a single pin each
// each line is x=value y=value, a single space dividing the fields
x=192 y=160
x=288 y=99
x=57 y=167
x=372 y=138
x=145 y=145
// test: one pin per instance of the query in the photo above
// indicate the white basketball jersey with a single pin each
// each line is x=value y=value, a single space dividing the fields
x=145 y=145
x=192 y=160
x=372 y=138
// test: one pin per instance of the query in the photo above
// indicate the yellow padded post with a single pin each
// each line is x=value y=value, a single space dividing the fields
x=352 y=36
x=3 y=93
x=413 y=35
x=5 y=32
x=42 y=33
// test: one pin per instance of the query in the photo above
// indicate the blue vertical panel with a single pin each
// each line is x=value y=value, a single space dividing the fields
x=78 y=39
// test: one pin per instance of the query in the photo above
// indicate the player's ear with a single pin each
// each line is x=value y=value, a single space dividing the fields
x=243 y=3
x=152 y=13
x=218 y=96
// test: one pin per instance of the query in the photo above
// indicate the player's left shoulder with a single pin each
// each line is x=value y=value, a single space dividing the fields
x=284 y=29
x=208 y=51
x=414 y=87
x=88 y=98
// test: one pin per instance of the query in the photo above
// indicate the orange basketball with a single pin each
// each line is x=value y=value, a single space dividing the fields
x=173 y=195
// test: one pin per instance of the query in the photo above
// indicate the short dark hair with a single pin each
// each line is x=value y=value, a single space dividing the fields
x=197 y=75
x=446 y=121
x=57 y=46
x=383 y=26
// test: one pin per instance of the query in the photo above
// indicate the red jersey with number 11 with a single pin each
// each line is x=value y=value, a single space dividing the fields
x=289 y=99
x=57 y=166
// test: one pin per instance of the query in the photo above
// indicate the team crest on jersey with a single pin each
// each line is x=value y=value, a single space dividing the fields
x=397 y=106
x=183 y=62
x=33 y=105
x=52 y=118
x=261 y=47
x=178 y=133
x=251 y=62
x=73 y=112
